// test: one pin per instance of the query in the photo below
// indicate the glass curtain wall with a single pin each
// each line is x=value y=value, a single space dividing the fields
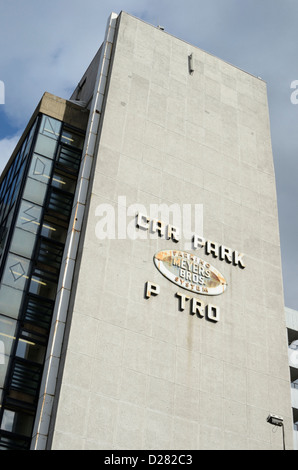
x=37 y=201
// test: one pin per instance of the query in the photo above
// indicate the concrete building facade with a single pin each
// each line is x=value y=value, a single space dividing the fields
x=168 y=329
x=292 y=328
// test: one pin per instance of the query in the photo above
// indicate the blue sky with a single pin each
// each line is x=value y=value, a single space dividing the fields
x=46 y=46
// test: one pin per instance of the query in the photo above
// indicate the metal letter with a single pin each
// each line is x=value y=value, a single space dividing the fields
x=212 y=247
x=183 y=298
x=198 y=242
x=173 y=233
x=225 y=253
x=158 y=226
x=142 y=221
x=152 y=289
x=237 y=259
x=213 y=313
x=197 y=307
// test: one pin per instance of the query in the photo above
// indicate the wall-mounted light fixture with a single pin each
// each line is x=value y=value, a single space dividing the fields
x=276 y=420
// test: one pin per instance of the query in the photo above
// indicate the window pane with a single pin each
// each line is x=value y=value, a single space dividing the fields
x=48 y=258
x=40 y=168
x=7 y=420
x=45 y=146
x=16 y=271
x=7 y=337
x=68 y=159
x=18 y=422
x=14 y=443
x=29 y=217
x=43 y=287
x=65 y=182
x=23 y=243
x=71 y=138
x=35 y=191
x=4 y=232
x=60 y=205
x=50 y=127
x=25 y=151
x=53 y=231
x=38 y=312
x=30 y=350
x=10 y=301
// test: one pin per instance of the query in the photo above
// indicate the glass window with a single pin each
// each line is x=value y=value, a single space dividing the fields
x=40 y=168
x=7 y=337
x=43 y=287
x=30 y=350
x=45 y=146
x=3 y=235
x=26 y=146
x=60 y=205
x=49 y=132
x=10 y=301
x=18 y=161
x=68 y=159
x=295 y=418
x=24 y=377
x=49 y=257
x=7 y=420
x=22 y=243
x=29 y=217
x=50 y=127
x=16 y=271
x=38 y=312
x=35 y=191
x=4 y=232
x=13 y=443
x=3 y=371
x=72 y=138
x=18 y=422
x=53 y=231
x=64 y=181
x=20 y=174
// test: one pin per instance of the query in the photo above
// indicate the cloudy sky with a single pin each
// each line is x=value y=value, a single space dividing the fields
x=46 y=45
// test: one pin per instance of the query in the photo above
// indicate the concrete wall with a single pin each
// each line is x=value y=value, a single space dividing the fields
x=140 y=373
x=85 y=88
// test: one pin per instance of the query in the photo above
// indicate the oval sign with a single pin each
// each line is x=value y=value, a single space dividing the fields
x=190 y=272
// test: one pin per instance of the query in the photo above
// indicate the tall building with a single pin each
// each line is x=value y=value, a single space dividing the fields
x=37 y=197
x=141 y=296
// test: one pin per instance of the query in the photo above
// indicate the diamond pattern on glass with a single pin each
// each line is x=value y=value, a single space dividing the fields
x=17 y=271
